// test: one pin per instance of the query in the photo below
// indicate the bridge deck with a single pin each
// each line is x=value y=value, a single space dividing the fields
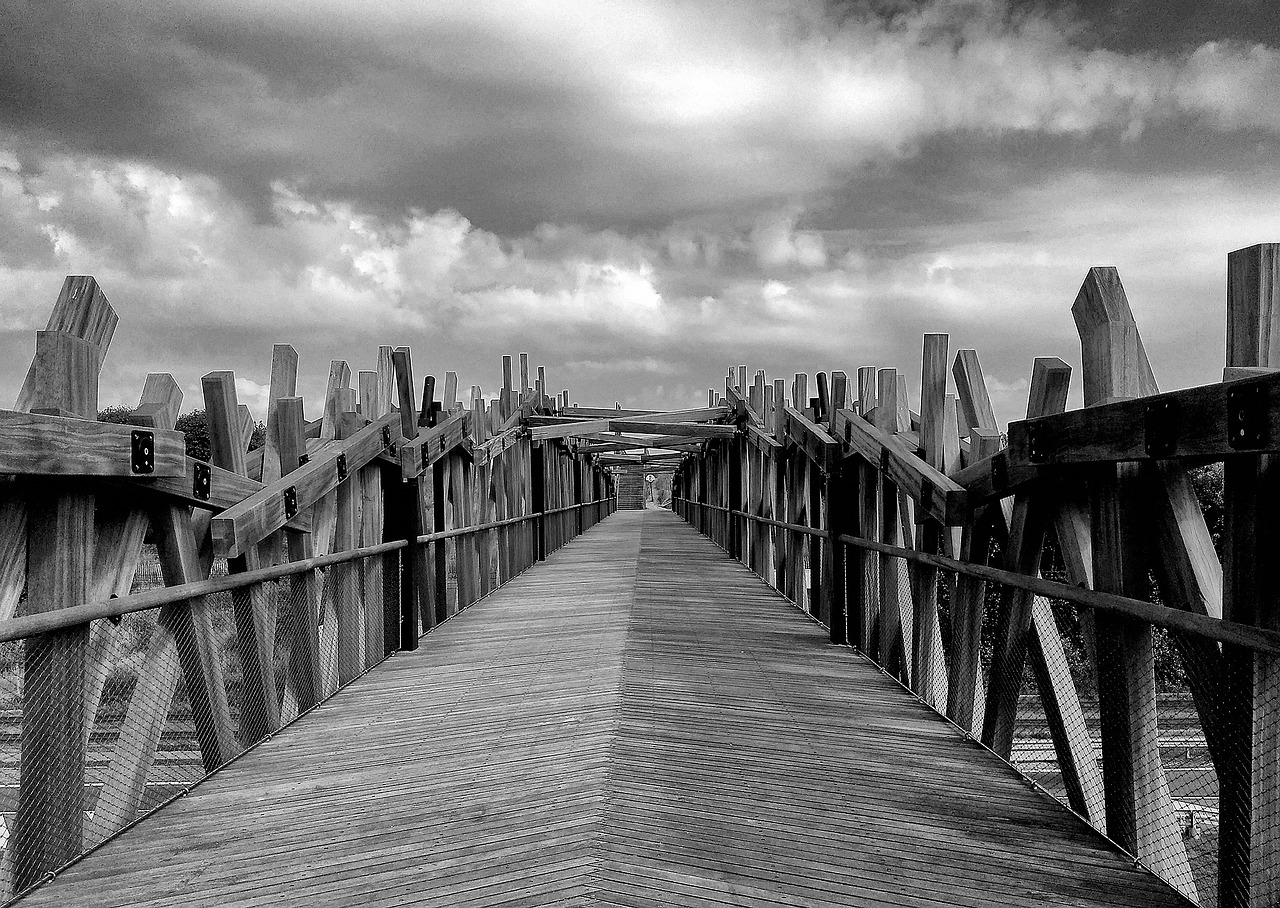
x=637 y=722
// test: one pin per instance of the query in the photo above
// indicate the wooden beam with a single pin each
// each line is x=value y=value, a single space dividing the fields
x=1192 y=423
x=64 y=446
x=247 y=523
x=433 y=443
x=937 y=496
x=810 y=437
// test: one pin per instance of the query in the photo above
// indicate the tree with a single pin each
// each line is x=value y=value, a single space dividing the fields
x=193 y=425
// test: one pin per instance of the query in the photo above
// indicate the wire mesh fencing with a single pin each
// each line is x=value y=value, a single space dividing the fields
x=1161 y=737
x=106 y=720
x=1107 y=714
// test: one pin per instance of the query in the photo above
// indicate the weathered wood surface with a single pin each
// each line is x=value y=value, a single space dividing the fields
x=639 y=721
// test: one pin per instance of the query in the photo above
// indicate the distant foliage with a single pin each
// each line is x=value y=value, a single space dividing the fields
x=192 y=425
x=121 y=416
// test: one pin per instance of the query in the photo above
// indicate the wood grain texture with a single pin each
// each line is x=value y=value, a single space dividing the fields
x=62 y=446
x=602 y=747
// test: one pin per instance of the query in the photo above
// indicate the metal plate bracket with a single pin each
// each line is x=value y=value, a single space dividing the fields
x=202 y=482
x=1248 y=416
x=143 y=451
x=1161 y=423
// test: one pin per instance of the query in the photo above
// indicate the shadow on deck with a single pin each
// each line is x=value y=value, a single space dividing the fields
x=639 y=721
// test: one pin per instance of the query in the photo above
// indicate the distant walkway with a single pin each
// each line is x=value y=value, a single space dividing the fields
x=638 y=722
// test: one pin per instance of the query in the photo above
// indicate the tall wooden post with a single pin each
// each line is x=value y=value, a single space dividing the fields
x=260 y=706
x=536 y=501
x=414 y=595
x=1138 y=805
x=1249 y=776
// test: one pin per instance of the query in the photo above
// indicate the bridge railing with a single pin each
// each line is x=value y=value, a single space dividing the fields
x=162 y=612
x=1093 y=597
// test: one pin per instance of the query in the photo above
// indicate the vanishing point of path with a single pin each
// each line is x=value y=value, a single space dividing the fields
x=637 y=722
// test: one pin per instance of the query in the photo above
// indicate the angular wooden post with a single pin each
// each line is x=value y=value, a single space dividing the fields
x=415 y=594
x=928 y=669
x=1139 y=808
x=1249 y=774
x=60 y=525
x=260 y=707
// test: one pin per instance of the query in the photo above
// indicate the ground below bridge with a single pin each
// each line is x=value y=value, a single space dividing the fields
x=636 y=722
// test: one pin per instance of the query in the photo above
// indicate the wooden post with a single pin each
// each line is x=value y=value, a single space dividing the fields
x=1139 y=809
x=928 y=668
x=736 y=452
x=867 y=562
x=537 y=476
x=49 y=822
x=415 y=595
x=895 y=615
x=1249 y=778
x=260 y=706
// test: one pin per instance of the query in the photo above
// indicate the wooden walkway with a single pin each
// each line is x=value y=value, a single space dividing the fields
x=638 y=722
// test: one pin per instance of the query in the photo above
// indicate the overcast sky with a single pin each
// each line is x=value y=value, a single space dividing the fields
x=636 y=193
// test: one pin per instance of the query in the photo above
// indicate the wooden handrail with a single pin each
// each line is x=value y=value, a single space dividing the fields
x=1223 y=631
x=26 y=626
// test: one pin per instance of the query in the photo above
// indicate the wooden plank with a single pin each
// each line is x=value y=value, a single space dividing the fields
x=245 y=524
x=604 y=726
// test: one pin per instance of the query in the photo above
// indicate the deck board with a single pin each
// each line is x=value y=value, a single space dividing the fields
x=637 y=722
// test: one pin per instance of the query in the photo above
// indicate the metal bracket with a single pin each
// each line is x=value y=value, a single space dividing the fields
x=290 y=502
x=1000 y=471
x=1034 y=453
x=202 y=483
x=143 y=447
x=386 y=436
x=342 y=467
x=391 y=450
x=303 y=458
x=1248 y=422
x=1161 y=424
x=926 y=501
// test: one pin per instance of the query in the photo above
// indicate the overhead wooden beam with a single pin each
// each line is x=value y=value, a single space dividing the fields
x=249 y=522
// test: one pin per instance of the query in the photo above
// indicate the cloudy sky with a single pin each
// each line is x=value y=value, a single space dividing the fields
x=636 y=193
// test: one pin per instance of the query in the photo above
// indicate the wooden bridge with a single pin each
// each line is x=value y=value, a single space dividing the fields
x=410 y=652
